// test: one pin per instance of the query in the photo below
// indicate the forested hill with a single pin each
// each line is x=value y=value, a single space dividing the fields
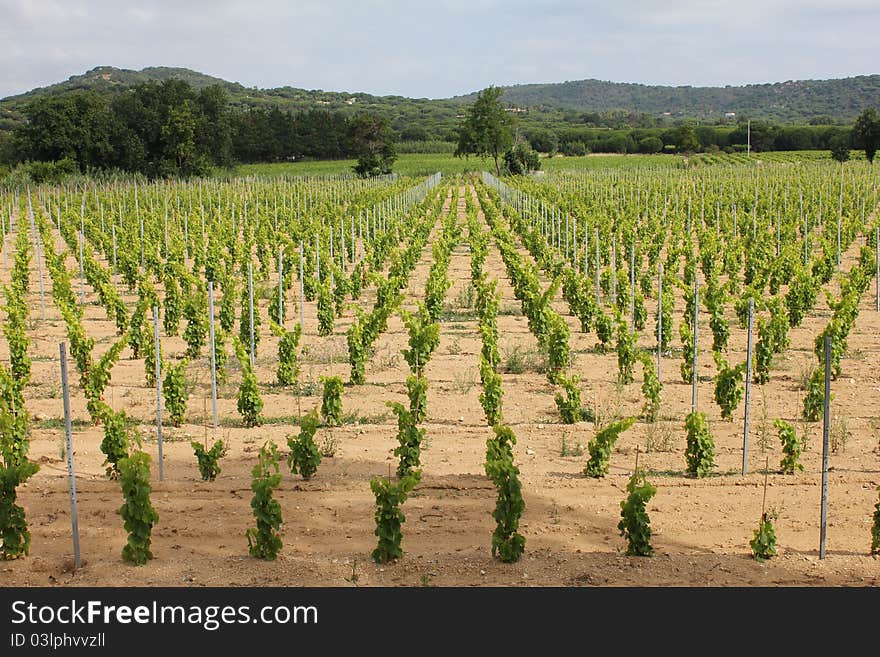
x=782 y=102
x=108 y=80
x=792 y=101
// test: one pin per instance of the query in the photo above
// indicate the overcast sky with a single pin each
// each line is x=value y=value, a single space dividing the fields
x=440 y=48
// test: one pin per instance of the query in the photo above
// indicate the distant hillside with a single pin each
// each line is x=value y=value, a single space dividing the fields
x=792 y=101
x=108 y=79
x=555 y=106
x=440 y=114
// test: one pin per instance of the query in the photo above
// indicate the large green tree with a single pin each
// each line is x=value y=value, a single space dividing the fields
x=487 y=128
x=373 y=144
x=866 y=133
x=76 y=126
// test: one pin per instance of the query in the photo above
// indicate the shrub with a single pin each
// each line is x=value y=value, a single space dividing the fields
x=626 y=353
x=357 y=350
x=814 y=400
x=875 y=529
x=304 y=455
x=326 y=312
x=389 y=518
x=417 y=391
x=175 y=392
x=99 y=376
x=686 y=333
x=227 y=306
x=604 y=331
x=801 y=297
x=138 y=514
x=220 y=357
x=424 y=336
x=244 y=322
x=195 y=311
x=651 y=388
x=764 y=542
x=728 y=385
x=250 y=404
x=331 y=402
x=490 y=398
x=172 y=304
x=288 y=362
x=602 y=444
x=700 y=452
x=209 y=459
x=570 y=405
x=118 y=438
x=635 y=525
x=557 y=347
x=263 y=540
x=763 y=353
x=409 y=437
x=507 y=543
x=666 y=307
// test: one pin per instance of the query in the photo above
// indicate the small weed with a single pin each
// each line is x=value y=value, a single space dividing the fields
x=805 y=373
x=454 y=348
x=328 y=447
x=567 y=450
x=307 y=388
x=875 y=432
x=610 y=409
x=839 y=433
x=659 y=438
x=554 y=514
x=856 y=354
x=387 y=361
x=518 y=360
x=466 y=296
x=514 y=361
x=48 y=391
x=356 y=418
x=58 y=423
x=451 y=314
x=806 y=434
x=354 y=579
x=463 y=380
x=764 y=427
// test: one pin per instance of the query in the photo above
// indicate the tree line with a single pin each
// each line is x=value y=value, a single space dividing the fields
x=169 y=129
x=695 y=138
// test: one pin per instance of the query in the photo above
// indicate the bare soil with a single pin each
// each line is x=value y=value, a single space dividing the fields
x=701 y=527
